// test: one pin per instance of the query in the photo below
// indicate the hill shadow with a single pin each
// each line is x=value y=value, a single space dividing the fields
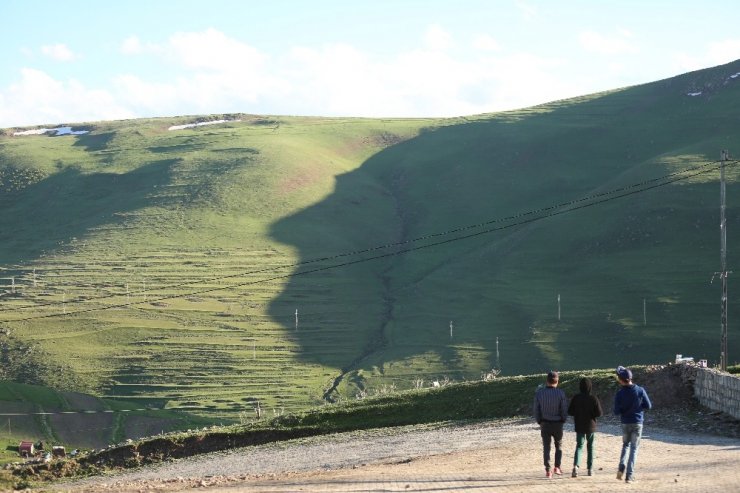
x=65 y=205
x=408 y=189
x=395 y=308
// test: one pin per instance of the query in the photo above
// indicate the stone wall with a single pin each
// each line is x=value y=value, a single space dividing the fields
x=718 y=391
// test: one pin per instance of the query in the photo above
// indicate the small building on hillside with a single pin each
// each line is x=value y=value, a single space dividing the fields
x=25 y=449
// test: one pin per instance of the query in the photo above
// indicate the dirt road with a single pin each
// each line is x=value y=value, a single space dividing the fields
x=499 y=457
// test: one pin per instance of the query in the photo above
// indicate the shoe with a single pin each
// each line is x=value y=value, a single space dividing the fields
x=590 y=472
x=630 y=479
x=620 y=474
x=548 y=474
x=574 y=474
x=557 y=471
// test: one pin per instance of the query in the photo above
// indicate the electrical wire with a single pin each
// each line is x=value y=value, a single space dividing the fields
x=566 y=207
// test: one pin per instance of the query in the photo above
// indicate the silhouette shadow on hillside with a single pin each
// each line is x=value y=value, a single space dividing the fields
x=481 y=169
x=375 y=205
x=67 y=204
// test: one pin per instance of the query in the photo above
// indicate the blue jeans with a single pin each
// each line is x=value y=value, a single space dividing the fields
x=631 y=433
x=588 y=439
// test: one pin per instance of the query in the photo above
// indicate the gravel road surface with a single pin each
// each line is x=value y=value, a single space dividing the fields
x=489 y=456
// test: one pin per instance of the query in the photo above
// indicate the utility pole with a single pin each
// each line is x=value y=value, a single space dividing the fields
x=296 y=319
x=725 y=155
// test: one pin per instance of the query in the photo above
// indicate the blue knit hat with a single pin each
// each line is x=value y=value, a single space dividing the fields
x=624 y=373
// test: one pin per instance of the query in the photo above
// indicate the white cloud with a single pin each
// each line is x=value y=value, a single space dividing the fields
x=213 y=50
x=437 y=38
x=717 y=53
x=59 y=52
x=134 y=46
x=210 y=72
x=723 y=52
x=607 y=45
x=38 y=98
x=528 y=11
x=131 y=46
x=484 y=42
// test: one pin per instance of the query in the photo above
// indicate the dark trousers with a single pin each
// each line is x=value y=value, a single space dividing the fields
x=552 y=431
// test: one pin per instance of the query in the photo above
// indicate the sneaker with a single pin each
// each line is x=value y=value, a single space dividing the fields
x=574 y=474
x=557 y=471
x=630 y=479
x=548 y=473
x=620 y=474
x=590 y=472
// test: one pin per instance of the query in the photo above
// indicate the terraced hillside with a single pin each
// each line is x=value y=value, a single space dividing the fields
x=285 y=260
x=138 y=260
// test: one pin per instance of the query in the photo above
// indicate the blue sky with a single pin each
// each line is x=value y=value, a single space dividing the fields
x=66 y=62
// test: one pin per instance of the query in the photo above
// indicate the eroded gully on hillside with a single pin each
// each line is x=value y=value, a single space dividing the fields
x=379 y=341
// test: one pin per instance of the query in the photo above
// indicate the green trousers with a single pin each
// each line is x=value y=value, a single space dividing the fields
x=588 y=438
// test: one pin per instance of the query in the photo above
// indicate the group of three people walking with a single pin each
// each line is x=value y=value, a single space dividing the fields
x=551 y=410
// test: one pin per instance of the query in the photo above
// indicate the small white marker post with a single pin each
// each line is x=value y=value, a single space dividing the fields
x=644 y=312
x=296 y=319
x=558 y=307
x=451 y=329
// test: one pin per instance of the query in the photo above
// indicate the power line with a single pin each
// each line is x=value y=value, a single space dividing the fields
x=375 y=248
x=565 y=207
x=366 y=250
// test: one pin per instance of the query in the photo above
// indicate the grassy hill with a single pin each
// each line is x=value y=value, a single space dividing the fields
x=75 y=420
x=202 y=268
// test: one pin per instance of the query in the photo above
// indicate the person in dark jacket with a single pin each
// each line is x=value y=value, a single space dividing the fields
x=584 y=408
x=550 y=410
x=629 y=403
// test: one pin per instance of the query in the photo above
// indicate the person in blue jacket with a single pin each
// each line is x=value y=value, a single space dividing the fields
x=630 y=402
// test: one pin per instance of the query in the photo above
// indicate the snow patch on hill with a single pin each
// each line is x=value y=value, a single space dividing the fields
x=53 y=131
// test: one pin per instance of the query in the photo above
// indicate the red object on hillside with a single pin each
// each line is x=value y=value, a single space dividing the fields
x=25 y=449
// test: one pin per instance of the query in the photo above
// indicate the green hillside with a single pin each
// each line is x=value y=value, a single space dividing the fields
x=204 y=268
x=75 y=420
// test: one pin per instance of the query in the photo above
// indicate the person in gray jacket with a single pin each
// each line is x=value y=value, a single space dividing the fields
x=629 y=404
x=550 y=410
